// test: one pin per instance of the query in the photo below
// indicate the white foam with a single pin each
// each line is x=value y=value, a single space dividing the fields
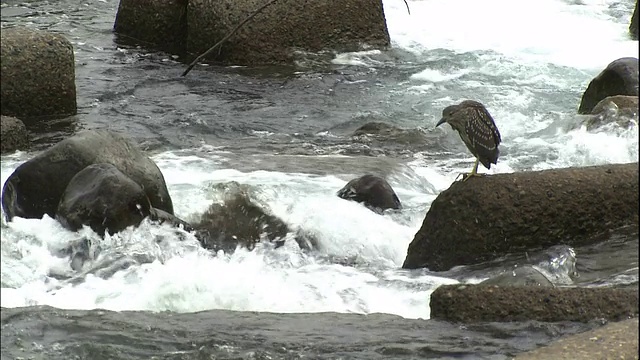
x=554 y=31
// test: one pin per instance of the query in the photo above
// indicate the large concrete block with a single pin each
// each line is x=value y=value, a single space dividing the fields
x=274 y=34
x=38 y=75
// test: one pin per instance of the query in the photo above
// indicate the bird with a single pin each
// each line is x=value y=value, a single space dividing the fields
x=477 y=130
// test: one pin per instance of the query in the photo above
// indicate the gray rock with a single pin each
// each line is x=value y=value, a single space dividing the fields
x=620 y=109
x=14 y=135
x=38 y=74
x=36 y=187
x=616 y=340
x=620 y=77
x=284 y=27
x=238 y=221
x=494 y=215
x=372 y=191
x=103 y=198
x=164 y=217
x=486 y=303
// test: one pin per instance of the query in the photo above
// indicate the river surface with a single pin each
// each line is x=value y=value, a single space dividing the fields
x=286 y=132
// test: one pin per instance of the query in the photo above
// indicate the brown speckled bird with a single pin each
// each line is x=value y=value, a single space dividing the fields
x=477 y=130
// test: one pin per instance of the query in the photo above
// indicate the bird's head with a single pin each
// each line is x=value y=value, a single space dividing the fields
x=447 y=113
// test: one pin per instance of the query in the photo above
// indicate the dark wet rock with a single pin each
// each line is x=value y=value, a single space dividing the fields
x=485 y=303
x=372 y=191
x=520 y=276
x=620 y=77
x=103 y=198
x=164 y=217
x=284 y=27
x=620 y=109
x=38 y=74
x=36 y=187
x=617 y=340
x=633 y=26
x=238 y=221
x=491 y=216
x=160 y=24
x=14 y=135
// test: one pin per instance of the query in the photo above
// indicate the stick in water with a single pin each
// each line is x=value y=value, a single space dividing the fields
x=226 y=37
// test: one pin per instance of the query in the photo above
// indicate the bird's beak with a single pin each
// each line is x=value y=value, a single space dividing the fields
x=442 y=121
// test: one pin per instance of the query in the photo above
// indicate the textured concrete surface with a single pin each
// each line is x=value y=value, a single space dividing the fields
x=38 y=75
x=480 y=303
x=284 y=27
x=617 y=340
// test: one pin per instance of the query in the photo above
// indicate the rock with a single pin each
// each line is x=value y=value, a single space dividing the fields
x=389 y=133
x=617 y=340
x=161 y=24
x=13 y=136
x=38 y=74
x=487 y=303
x=619 y=78
x=36 y=187
x=633 y=26
x=79 y=251
x=620 y=109
x=272 y=36
x=491 y=216
x=103 y=198
x=372 y=191
x=238 y=221
x=163 y=217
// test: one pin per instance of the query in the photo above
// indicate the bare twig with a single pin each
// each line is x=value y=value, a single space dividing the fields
x=406 y=3
x=226 y=37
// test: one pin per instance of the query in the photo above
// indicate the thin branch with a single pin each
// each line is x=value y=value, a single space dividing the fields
x=406 y=3
x=226 y=37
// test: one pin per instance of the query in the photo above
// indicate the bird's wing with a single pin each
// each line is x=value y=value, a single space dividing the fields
x=481 y=129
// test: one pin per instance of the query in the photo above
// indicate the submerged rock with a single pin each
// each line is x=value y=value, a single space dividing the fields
x=36 y=187
x=103 y=198
x=620 y=77
x=487 y=303
x=521 y=276
x=238 y=221
x=372 y=191
x=14 y=135
x=491 y=216
x=620 y=109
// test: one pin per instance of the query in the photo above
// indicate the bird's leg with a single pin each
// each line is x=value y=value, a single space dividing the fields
x=473 y=172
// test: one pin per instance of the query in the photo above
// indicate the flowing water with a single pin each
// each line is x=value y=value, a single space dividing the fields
x=286 y=133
